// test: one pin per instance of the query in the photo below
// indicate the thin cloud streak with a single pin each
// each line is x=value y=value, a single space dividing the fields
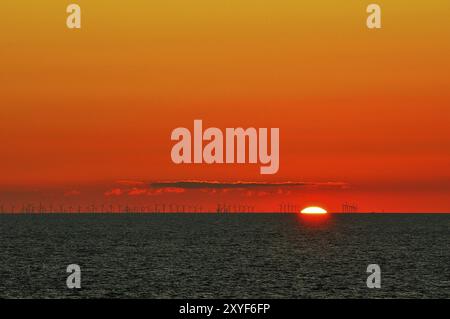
x=241 y=184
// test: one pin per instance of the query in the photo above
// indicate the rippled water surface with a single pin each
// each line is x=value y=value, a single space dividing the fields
x=225 y=255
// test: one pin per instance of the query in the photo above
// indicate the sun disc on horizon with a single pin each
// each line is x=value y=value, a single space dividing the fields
x=314 y=210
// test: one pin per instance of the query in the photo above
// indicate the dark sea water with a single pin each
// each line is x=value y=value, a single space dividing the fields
x=225 y=255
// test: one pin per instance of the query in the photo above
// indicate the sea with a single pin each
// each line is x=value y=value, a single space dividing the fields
x=233 y=255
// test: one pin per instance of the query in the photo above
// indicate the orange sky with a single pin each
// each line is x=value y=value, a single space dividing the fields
x=83 y=109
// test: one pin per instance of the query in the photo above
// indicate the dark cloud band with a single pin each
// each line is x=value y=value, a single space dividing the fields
x=239 y=184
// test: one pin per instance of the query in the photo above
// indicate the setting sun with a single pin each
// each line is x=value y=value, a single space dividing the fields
x=313 y=210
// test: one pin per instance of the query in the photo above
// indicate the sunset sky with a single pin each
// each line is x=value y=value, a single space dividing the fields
x=86 y=115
